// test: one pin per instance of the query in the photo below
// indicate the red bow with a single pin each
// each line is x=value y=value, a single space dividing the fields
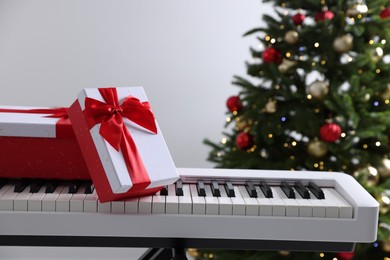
x=113 y=129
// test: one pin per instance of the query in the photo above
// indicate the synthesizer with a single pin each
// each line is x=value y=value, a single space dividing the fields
x=206 y=208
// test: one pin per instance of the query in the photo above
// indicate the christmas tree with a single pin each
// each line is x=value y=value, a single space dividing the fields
x=318 y=98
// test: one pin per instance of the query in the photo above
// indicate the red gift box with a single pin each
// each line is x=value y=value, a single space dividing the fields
x=39 y=143
x=121 y=142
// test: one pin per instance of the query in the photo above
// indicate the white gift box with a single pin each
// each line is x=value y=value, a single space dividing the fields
x=107 y=166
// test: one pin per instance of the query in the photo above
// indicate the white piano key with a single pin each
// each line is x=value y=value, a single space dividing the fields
x=225 y=203
x=76 y=203
x=172 y=201
x=90 y=202
x=305 y=207
x=252 y=207
x=292 y=207
x=198 y=202
x=145 y=205
x=185 y=201
x=265 y=204
x=131 y=206
x=7 y=200
x=49 y=201
x=4 y=189
x=158 y=204
x=212 y=203
x=34 y=203
x=62 y=201
x=332 y=208
x=278 y=205
x=319 y=208
x=104 y=207
x=118 y=206
x=345 y=209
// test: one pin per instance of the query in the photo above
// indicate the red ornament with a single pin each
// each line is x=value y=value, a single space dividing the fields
x=324 y=15
x=272 y=55
x=345 y=255
x=330 y=132
x=234 y=104
x=385 y=13
x=298 y=19
x=244 y=141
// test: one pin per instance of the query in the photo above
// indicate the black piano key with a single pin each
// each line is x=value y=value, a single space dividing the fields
x=266 y=189
x=35 y=186
x=89 y=187
x=74 y=187
x=229 y=189
x=164 y=191
x=51 y=186
x=201 y=189
x=3 y=182
x=215 y=189
x=316 y=191
x=21 y=185
x=179 y=188
x=288 y=190
x=301 y=189
x=251 y=189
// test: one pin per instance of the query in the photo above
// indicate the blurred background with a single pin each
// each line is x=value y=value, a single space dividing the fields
x=184 y=53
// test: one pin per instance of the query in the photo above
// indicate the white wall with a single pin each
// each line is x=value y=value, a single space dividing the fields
x=184 y=53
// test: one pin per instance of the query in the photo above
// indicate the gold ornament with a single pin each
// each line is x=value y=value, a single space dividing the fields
x=386 y=93
x=317 y=148
x=386 y=244
x=368 y=175
x=318 y=89
x=343 y=43
x=270 y=107
x=384 y=168
x=291 y=37
x=384 y=201
x=193 y=252
x=244 y=125
x=286 y=65
x=377 y=54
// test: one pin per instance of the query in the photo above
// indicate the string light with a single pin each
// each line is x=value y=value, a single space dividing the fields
x=219 y=154
x=387 y=101
x=323 y=62
x=378 y=143
x=322 y=254
x=376 y=103
x=309 y=96
x=273 y=40
x=270 y=136
x=223 y=141
x=343 y=134
x=288 y=54
x=235 y=113
x=378 y=71
x=293 y=143
x=267 y=38
x=228 y=119
x=283 y=119
x=371 y=42
x=316 y=45
x=383 y=41
x=365 y=146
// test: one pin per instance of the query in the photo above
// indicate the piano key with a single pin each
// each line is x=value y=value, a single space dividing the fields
x=131 y=206
x=344 y=209
x=117 y=206
x=316 y=190
x=20 y=201
x=74 y=187
x=179 y=188
x=305 y=207
x=302 y=190
x=158 y=204
x=51 y=186
x=62 y=201
x=185 y=201
x=265 y=204
x=21 y=185
x=225 y=203
x=35 y=186
x=171 y=201
x=251 y=189
x=201 y=190
x=49 y=201
x=90 y=202
x=198 y=201
x=212 y=204
x=145 y=205
x=89 y=187
x=34 y=203
x=292 y=207
x=252 y=207
x=7 y=199
x=319 y=208
x=287 y=189
x=239 y=206
x=76 y=203
x=266 y=190
x=164 y=191
x=278 y=205
x=215 y=189
x=229 y=189
x=3 y=181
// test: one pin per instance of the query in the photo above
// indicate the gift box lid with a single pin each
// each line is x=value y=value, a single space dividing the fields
x=100 y=111
x=22 y=121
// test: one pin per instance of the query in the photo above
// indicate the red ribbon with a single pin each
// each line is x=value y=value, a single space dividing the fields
x=113 y=129
x=63 y=126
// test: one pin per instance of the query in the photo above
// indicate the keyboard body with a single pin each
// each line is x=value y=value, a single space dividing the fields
x=115 y=226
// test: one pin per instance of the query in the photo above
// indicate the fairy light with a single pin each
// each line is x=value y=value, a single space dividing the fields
x=343 y=134
x=387 y=101
x=293 y=143
x=386 y=200
x=313 y=64
x=334 y=258
x=316 y=165
x=223 y=141
x=309 y=96
x=365 y=146
x=273 y=40
x=288 y=54
x=383 y=41
x=378 y=144
x=267 y=38
x=285 y=145
x=235 y=113
x=219 y=154
x=228 y=119
x=371 y=42
x=359 y=16
x=378 y=71
x=292 y=157
x=322 y=254
x=323 y=2
x=316 y=45
x=300 y=57
x=323 y=62
x=270 y=136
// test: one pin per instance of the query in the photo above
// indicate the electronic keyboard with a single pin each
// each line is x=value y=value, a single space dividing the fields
x=206 y=208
